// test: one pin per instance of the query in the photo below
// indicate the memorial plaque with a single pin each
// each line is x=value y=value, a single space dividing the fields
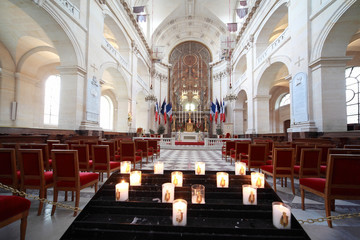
x=93 y=100
x=299 y=98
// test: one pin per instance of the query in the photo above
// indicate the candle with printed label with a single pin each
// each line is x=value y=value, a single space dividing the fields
x=159 y=168
x=199 y=168
x=240 y=168
x=135 y=178
x=257 y=180
x=198 y=194
x=249 y=195
x=168 y=192
x=122 y=191
x=179 y=217
x=177 y=179
x=125 y=167
x=222 y=180
x=281 y=215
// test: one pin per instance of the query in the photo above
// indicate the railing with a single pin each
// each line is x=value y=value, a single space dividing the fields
x=220 y=141
x=69 y=7
x=115 y=53
x=273 y=46
x=162 y=141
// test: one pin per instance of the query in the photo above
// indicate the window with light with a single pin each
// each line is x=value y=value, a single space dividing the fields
x=52 y=100
x=352 y=76
x=285 y=100
x=106 y=113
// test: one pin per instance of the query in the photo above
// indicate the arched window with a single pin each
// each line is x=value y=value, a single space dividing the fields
x=106 y=113
x=285 y=100
x=52 y=100
x=352 y=76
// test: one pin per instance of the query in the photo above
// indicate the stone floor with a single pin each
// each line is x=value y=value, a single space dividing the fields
x=53 y=227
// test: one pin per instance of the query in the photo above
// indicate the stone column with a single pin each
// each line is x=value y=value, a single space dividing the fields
x=238 y=120
x=71 y=111
x=261 y=113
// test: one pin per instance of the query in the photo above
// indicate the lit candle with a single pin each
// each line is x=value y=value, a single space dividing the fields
x=122 y=191
x=222 y=179
x=240 y=168
x=135 y=178
x=179 y=212
x=177 y=179
x=249 y=195
x=257 y=180
x=168 y=192
x=198 y=194
x=159 y=168
x=199 y=168
x=281 y=215
x=125 y=167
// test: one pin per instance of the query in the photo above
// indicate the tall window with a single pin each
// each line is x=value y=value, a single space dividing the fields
x=52 y=100
x=106 y=113
x=285 y=100
x=352 y=76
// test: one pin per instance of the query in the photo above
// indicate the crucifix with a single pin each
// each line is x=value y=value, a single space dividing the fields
x=299 y=61
x=228 y=42
x=94 y=67
x=156 y=52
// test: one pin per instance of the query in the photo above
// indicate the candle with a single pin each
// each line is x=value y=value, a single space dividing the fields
x=281 y=215
x=199 y=168
x=249 y=195
x=135 y=178
x=257 y=180
x=168 y=192
x=125 y=167
x=179 y=212
x=159 y=168
x=198 y=194
x=240 y=168
x=122 y=191
x=222 y=179
x=177 y=179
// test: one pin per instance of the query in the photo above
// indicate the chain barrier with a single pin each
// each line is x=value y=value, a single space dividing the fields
x=43 y=200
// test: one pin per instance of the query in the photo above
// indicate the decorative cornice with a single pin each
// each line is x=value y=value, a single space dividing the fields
x=136 y=25
x=249 y=17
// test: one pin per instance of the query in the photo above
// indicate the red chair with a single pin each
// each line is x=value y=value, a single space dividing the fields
x=90 y=144
x=33 y=175
x=67 y=176
x=298 y=152
x=83 y=154
x=342 y=182
x=128 y=153
x=154 y=144
x=72 y=142
x=283 y=166
x=147 y=152
x=13 y=208
x=226 y=151
x=309 y=163
x=8 y=173
x=45 y=154
x=62 y=146
x=112 y=150
x=50 y=143
x=257 y=156
x=241 y=151
x=352 y=146
x=101 y=161
x=228 y=135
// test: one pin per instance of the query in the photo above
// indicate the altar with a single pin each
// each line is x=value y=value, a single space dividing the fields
x=189 y=137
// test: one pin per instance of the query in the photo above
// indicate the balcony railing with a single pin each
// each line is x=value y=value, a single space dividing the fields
x=115 y=53
x=69 y=7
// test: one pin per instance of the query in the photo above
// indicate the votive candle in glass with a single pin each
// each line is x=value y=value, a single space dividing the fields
x=222 y=180
x=179 y=212
x=135 y=178
x=177 y=178
x=281 y=215
x=249 y=195
x=159 y=168
x=240 y=168
x=199 y=168
x=198 y=194
x=125 y=167
x=122 y=191
x=168 y=192
x=257 y=180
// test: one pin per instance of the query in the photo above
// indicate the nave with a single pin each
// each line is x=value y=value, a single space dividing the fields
x=39 y=227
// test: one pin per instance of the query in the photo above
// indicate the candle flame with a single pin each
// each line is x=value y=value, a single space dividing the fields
x=258 y=182
x=179 y=216
x=198 y=170
x=222 y=182
x=284 y=219
x=251 y=197
x=167 y=196
x=242 y=170
x=198 y=197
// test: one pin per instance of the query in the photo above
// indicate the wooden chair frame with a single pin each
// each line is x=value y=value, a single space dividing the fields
x=251 y=154
x=13 y=175
x=96 y=163
x=80 y=147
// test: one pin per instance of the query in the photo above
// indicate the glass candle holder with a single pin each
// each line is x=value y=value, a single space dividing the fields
x=249 y=195
x=179 y=212
x=135 y=178
x=125 y=167
x=222 y=180
x=199 y=168
x=198 y=194
x=281 y=215
x=159 y=168
x=122 y=191
x=168 y=192
x=240 y=168
x=257 y=180
x=177 y=178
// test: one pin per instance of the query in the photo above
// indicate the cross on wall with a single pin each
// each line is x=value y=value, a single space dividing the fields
x=298 y=62
x=94 y=67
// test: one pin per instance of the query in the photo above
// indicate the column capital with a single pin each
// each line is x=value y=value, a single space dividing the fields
x=71 y=70
x=329 y=62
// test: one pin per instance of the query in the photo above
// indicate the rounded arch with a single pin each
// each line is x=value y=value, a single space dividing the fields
x=6 y=61
x=240 y=67
x=272 y=27
x=110 y=114
x=332 y=41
